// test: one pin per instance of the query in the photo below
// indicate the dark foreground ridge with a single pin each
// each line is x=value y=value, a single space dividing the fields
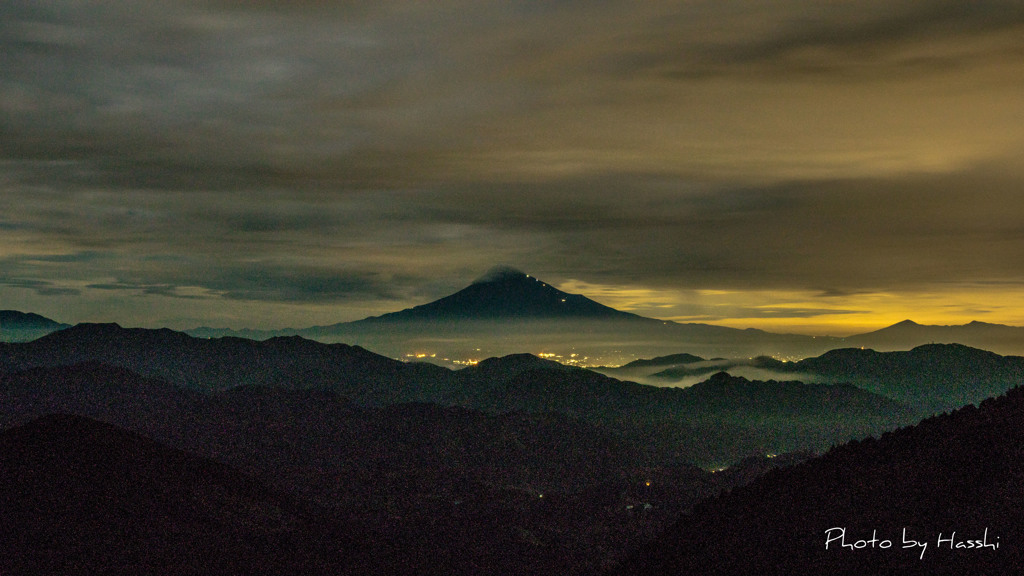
x=942 y=497
x=83 y=497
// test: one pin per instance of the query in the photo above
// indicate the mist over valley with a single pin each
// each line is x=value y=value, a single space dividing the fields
x=451 y=457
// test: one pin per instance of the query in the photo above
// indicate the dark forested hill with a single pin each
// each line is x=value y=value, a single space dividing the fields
x=18 y=326
x=941 y=497
x=528 y=466
x=711 y=425
x=223 y=363
x=930 y=378
x=80 y=497
x=418 y=486
x=718 y=421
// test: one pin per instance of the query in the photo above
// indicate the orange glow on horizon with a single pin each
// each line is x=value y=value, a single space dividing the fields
x=812 y=313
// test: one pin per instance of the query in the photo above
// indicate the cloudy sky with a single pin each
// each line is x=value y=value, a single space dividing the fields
x=795 y=165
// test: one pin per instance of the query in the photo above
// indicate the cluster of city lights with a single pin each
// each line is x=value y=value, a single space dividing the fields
x=570 y=360
x=413 y=356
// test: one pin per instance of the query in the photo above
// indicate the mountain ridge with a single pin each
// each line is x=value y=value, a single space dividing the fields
x=506 y=293
x=1001 y=338
x=955 y=472
x=507 y=311
x=222 y=363
x=86 y=497
x=16 y=326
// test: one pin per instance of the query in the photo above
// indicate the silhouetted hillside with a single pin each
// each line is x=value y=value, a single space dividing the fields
x=669 y=360
x=908 y=334
x=506 y=293
x=507 y=311
x=768 y=418
x=427 y=486
x=24 y=326
x=608 y=456
x=959 y=473
x=223 y=363
x=929 y=378
x=82 y=497
x=107 y=393
x=721 y=421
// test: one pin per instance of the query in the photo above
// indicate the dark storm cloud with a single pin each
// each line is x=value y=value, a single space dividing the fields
x=876 y=41
x=262 y=283
x=356 y=152
x=147 y=93
x=194 y=277
x=78 y=257
x=245 y=246
x=40 y=287
x=227 y=95
x=836 y=236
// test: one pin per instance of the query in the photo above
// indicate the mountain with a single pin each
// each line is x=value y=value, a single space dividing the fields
x=689 y=425
x=719 y=421
x=410 y=455
x=907 y=334
x=22 y=326
x=223 y=363
x=930 y=378
x=669 y=360
x=420 y=487
x=107 y=393
x=84 y=497
x=507 y=311
x=506 y=294
x=935 y=498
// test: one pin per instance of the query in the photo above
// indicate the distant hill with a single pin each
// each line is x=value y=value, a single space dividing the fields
x=223 y=363
x=721 y=420
x=507 y=311
x=955 y=476
x=24 y=326
x=669 y=360
x=420 y=487
x=930 y=378
x=907 y=334
x=82 y=497
x=697 y=428
x=506 y=293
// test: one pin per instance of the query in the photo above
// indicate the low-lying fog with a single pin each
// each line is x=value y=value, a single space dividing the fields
x=688 y=374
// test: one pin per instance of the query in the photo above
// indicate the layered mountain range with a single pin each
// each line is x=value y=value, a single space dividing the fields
x=123 y=447
x=18 y=326
x=507 y=311
x=743 y=415
x=530 y=466
x=940 y=497
x=85 y=497
x=387 y=488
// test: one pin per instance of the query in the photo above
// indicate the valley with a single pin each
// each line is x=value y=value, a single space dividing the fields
x=521 y=463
